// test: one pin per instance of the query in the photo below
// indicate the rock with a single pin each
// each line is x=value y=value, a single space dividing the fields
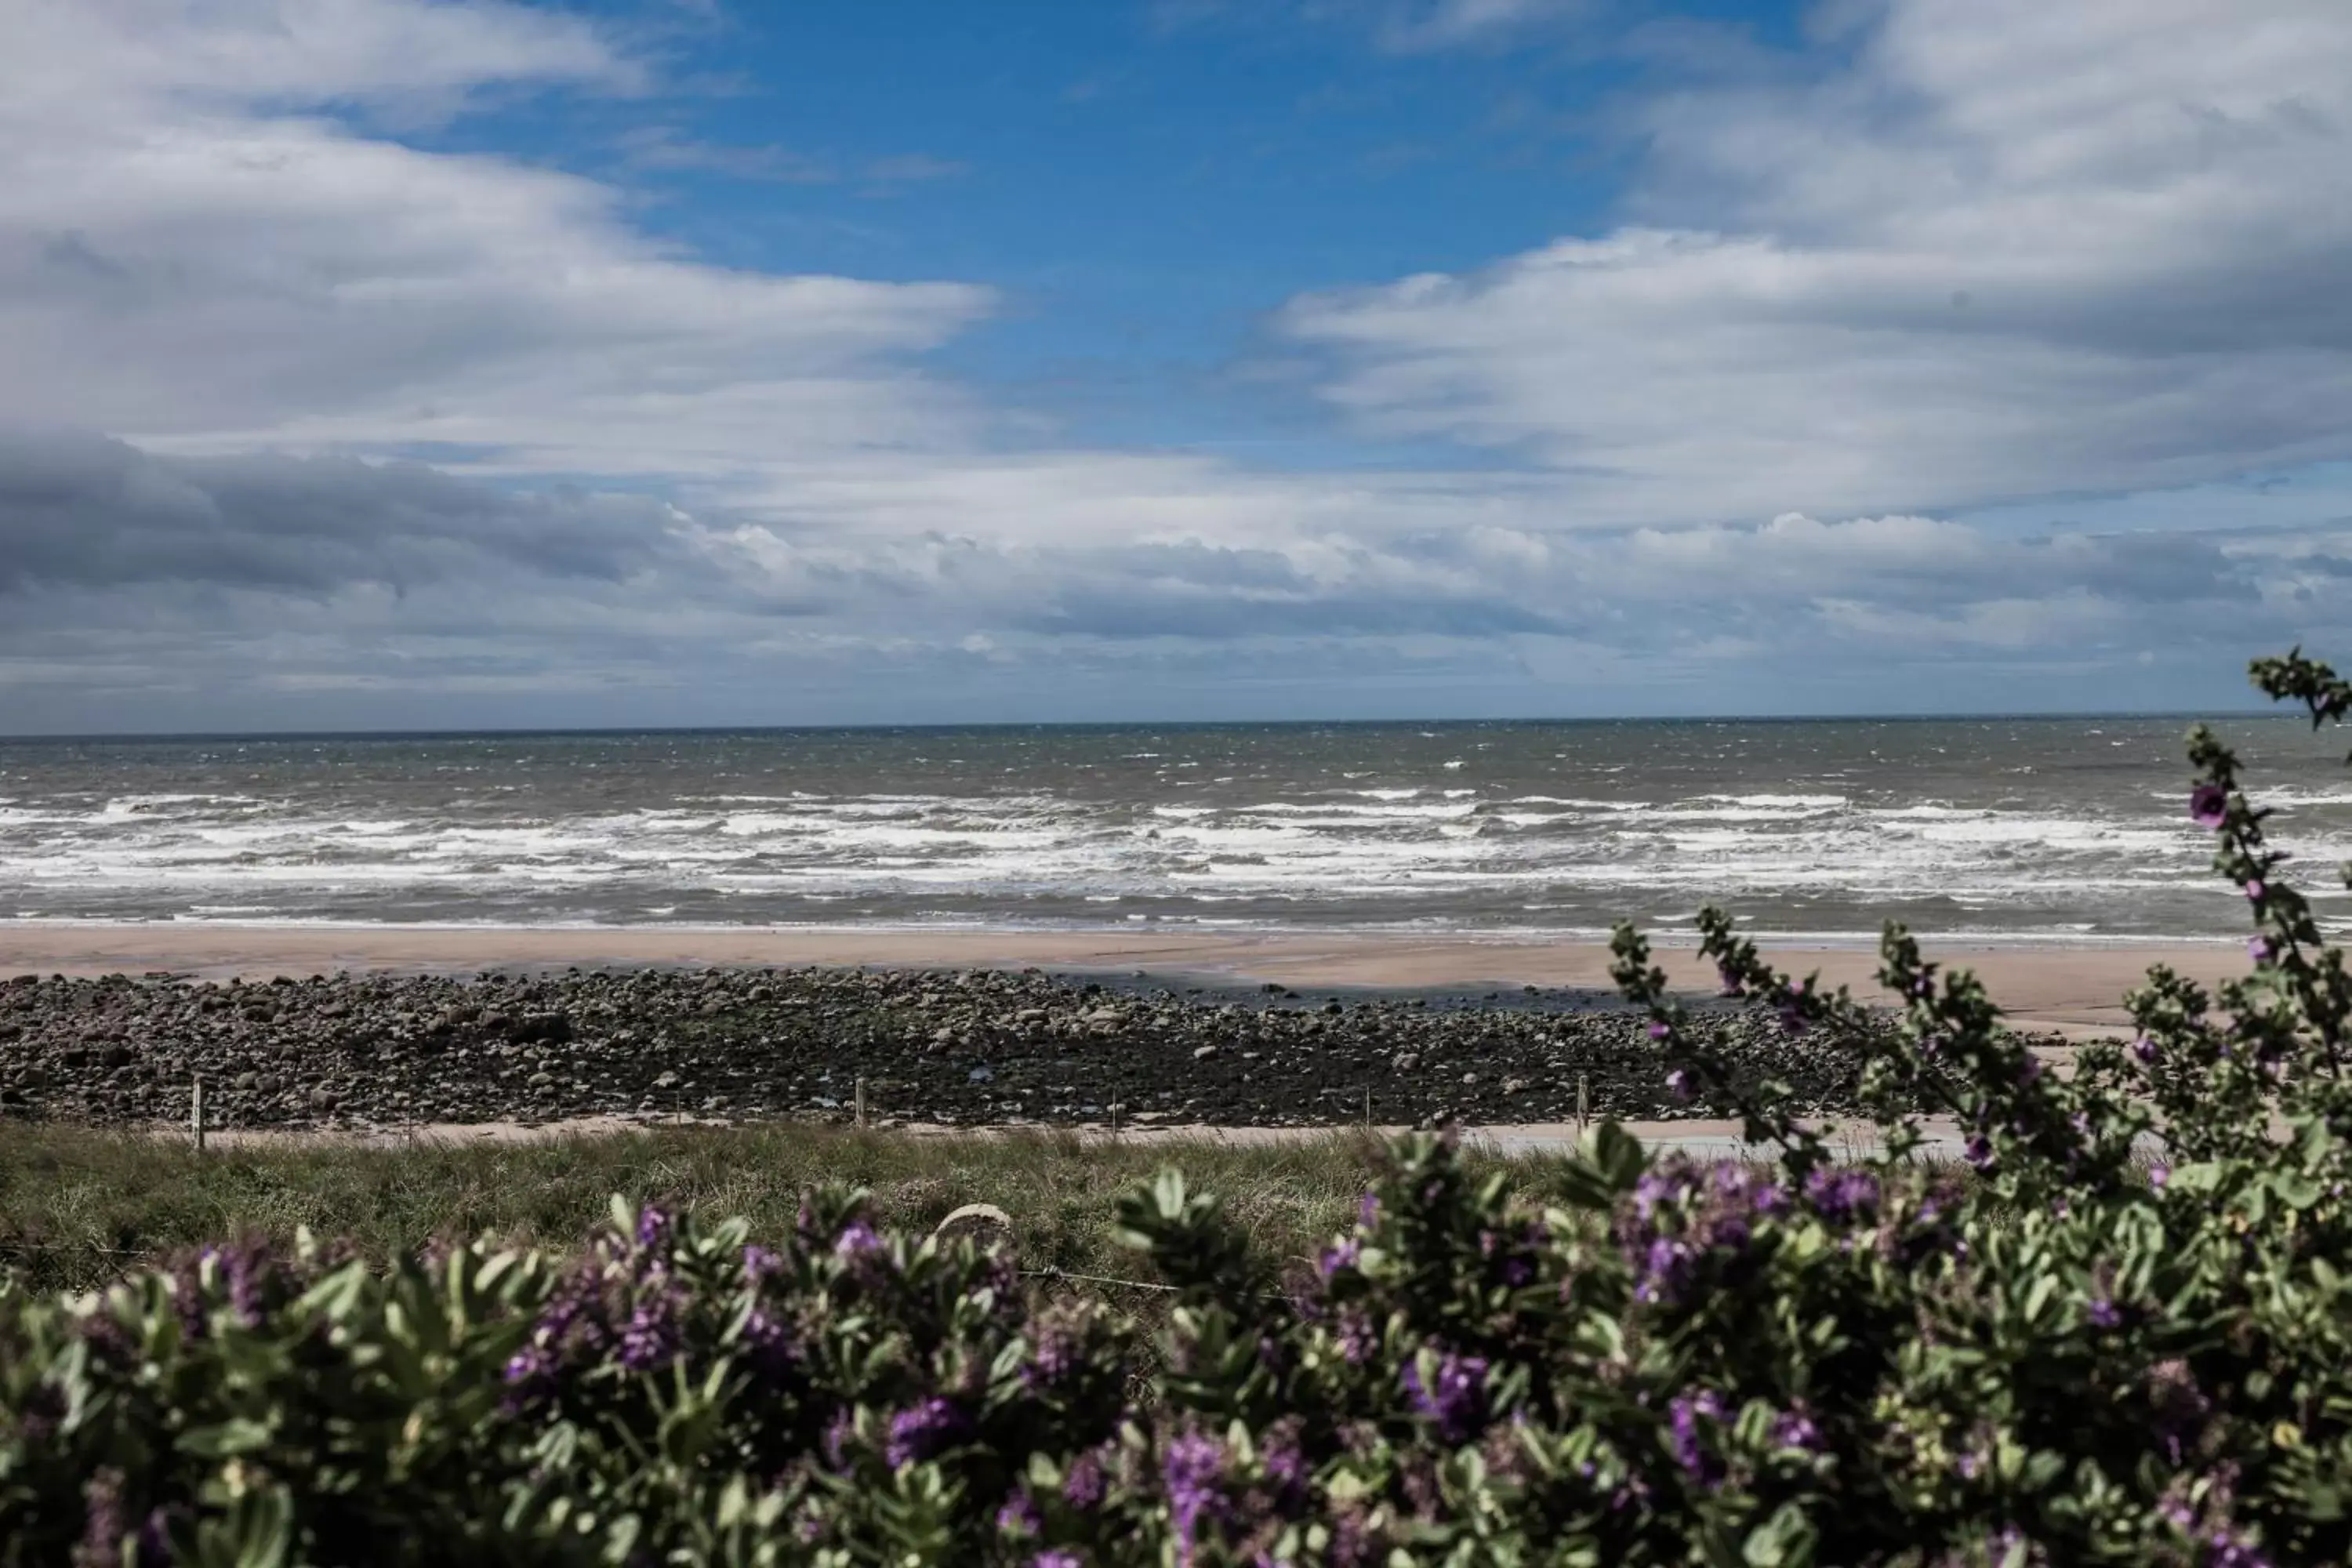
x=1026 y=1047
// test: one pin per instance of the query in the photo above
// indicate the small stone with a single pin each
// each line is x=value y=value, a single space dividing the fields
x=1205 y=1053
x=1469 y=1078
x=666 y=1080
x=1406 y=1061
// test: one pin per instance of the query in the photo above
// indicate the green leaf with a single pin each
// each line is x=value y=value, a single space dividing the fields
x=1618 y=1155
x=239 y=1434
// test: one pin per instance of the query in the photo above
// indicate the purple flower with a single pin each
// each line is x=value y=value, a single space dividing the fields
x=651 y=1338
x=2029 y=1069
x=1367 y=1210
x=1980 y=1152
x=2260 y=950
x=1728 y=979
x=837 y=1434
x=1055 y=1353
x=2256 y=892
x=1842 y=1195
x=1455 y=1397
x=2209 y=806
x=1683 y=1415
x=1284 y=1462
x=856 y=1240
x=922 y=1431
x=1678 y=1084
x=2102 y=1313
x=104 y=1525
x=2230 y=1551
x=1357 y=1336
x=1019 y=1514
x=769 y=1343
x=245 y=1266
x=653 y=1226
x=1335 y=1258
x=1660 y=1029
x=2157 y=1175
x=1058 y=1558
x=2145 y=1048
x=1793 y=1429
x=1666 y=1185
x=1193 y=1468
x=1662 y=1271
x=1082 y=1489
x=759 y=1262
x=155 y=1539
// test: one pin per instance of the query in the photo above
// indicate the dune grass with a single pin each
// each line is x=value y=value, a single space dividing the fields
x=80 y=1206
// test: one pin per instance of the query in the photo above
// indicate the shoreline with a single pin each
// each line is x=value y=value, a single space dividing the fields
x=2068 y=987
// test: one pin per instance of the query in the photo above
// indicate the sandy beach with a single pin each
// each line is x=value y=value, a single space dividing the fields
x=2075 y=990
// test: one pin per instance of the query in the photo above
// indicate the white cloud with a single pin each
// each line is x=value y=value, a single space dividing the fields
x=194 y=255
x=2016 y=248
x=1449 y=24
x=252 y=582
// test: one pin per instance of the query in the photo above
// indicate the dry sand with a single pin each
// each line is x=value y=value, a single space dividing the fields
x=1697 y=1136
x=2073 y=990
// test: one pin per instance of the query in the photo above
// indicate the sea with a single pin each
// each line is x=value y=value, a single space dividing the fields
x=2009 y=829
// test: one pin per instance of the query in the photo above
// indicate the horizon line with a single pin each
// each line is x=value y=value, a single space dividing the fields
x=565 y=731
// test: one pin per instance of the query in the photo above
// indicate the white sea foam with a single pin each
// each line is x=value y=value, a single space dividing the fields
x=1282 y=843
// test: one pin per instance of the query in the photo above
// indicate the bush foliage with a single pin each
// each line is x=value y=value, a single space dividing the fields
x=2064 y=1355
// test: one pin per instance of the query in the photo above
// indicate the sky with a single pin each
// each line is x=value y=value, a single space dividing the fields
x=475 y=363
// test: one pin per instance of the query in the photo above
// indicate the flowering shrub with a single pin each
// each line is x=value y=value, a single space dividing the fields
x=2061 y=1355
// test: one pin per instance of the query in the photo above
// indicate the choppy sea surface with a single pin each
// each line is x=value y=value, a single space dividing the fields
x=2035 y=828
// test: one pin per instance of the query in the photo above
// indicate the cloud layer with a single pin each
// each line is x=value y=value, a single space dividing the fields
x=2011 y=248
x=193 y=253
x=302 y=420
x=183 y=591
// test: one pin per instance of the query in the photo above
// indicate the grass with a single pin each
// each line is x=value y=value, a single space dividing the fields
x=79 y=1205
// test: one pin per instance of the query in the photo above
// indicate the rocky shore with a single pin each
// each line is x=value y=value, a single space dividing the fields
x=968 y=1047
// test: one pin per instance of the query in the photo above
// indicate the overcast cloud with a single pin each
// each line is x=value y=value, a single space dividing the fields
x=1997 y=250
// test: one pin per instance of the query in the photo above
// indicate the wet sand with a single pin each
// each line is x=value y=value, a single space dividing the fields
x=2076 y=990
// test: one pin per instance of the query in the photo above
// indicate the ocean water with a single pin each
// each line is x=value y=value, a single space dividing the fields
x=2031 y=828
